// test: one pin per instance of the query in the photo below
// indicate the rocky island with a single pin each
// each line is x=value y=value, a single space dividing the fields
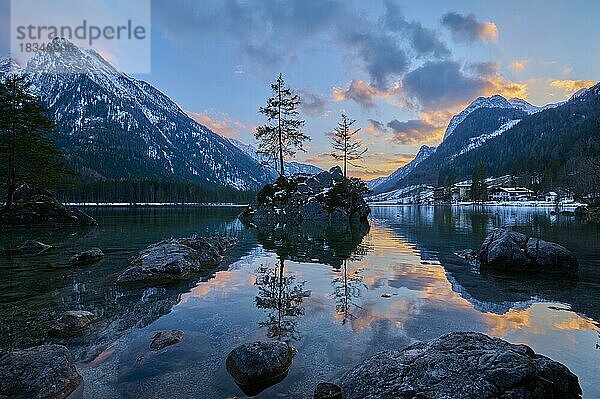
x=327 y=196
x=35 y=206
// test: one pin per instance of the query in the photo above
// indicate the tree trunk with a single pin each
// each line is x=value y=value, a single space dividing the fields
x=281 y=170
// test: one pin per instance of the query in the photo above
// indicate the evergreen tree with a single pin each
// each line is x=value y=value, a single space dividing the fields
x=27 y=150
x=282 y=136
x=479 y=191
x=345 y=146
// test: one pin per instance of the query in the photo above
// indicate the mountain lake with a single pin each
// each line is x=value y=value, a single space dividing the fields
x=348 y=292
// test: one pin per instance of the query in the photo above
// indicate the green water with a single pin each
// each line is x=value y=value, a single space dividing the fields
x=348 y=292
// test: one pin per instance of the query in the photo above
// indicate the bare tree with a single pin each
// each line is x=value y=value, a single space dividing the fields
x=345 y=146
x=282 y=135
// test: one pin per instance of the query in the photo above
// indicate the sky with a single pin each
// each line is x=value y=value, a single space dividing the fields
x=400 y=68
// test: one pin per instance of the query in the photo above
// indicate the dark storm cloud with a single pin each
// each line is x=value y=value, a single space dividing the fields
x=466 y=28
x=270 y=32
x=441 y=84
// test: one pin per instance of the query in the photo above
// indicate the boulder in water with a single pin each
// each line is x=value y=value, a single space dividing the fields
x=71 y=323
x=87 y=257
x=258 y=365
x=175 y=259
x=461 y=365
x=162 y=339
x=505 y=250
x=46 y=371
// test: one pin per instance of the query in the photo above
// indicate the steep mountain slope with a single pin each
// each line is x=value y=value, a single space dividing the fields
x=291 y=167
x=112 y=126
x=512 y=141
x=384 y=184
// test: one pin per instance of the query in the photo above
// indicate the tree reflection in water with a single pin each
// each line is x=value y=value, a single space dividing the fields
x=283 y=296
x=329 y=244
x=346 y=288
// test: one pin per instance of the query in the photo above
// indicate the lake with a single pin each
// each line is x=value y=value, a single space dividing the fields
x=338 y=294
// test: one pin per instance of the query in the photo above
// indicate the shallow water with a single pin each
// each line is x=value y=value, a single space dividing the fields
x=347 y=293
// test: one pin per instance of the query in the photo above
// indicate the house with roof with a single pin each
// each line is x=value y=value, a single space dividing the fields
x=507 y=194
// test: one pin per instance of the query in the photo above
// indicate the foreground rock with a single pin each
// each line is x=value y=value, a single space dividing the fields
x=87 y=257
x=71 y=323
x=162 y=339
x=326 y=196
x=258 y=365
x=176 y=259
x=37 y=207
x=461 y=365
x=511 y=251
x=45 y=371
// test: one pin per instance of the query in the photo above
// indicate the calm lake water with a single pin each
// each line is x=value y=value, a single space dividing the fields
x=347 y=293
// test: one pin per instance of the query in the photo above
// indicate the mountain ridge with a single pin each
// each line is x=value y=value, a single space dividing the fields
x=113 y=126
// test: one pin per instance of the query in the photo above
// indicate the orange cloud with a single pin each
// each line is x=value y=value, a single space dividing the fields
x=364 y=93
x=519 y=65
x=488 y=32
x=496 y=84
x=225 y=126
x=568 y=86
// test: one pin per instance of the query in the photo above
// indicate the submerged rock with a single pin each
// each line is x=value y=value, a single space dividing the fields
x=511 y=251
x=326 y=196
x=38 y=207
x=162 y=339
x=461 y=365
x=71 y=323
x=469 y=255
x=176 y=259
x=87 y=257
x=44 y=372
x=33 y=247
x=259 y=365
x=327 y=390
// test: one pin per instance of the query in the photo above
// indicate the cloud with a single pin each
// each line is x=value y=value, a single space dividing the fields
x=425 y=42
x=375 y=128
x=518 y=65
x=441 y=84
x=428 y=129
x=466 y=28
x=312 y=104
x=568 y=86
x=268 y=33
x=223 y=126
x=358 y=91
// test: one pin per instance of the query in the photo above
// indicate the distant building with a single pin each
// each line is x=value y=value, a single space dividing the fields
x=551 y=196
x=507 y=194
x=462 y=191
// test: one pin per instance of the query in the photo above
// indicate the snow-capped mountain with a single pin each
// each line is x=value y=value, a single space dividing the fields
x=291 y=167
x=113 y=126
x=383 y=184
x=495 y=101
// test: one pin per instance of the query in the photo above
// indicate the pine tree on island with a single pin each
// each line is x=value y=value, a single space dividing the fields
x=282 y=135
x=345 y=146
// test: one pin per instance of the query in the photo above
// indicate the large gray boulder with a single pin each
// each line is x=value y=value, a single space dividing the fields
x=505 y=250
x=38 y=207
x=324 y=197
x=258 y=365
x=71 y=323
x=462 y=365
x=175 y=259
x=42 y=372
